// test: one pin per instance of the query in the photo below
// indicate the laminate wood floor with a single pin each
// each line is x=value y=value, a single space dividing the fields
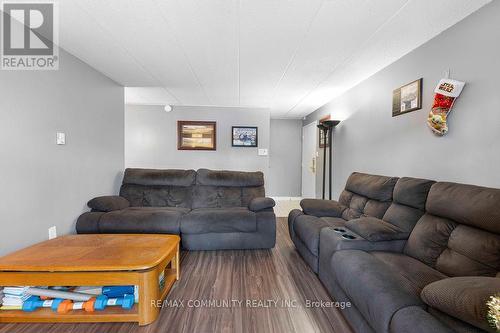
x=257 y=278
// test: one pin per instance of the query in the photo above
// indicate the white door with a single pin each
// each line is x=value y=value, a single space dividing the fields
x=309 y=153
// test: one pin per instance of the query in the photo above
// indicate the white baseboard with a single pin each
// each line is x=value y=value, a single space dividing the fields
x=287 y=198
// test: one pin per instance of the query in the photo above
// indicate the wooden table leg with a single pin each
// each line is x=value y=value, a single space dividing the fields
x=149 y=294
x=178 y=263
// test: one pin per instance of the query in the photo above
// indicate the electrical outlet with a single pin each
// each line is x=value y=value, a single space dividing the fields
x=52 y=232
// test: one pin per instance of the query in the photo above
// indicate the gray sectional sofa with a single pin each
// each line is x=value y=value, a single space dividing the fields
x=210 y=209
x=423 y=256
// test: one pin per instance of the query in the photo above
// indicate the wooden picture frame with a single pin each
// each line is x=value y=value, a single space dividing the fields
x=245 y=136
x=196 y=135
x=321 y=139
x=407 y=98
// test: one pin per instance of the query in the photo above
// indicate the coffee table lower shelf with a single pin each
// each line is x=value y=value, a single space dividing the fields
x=45 y=315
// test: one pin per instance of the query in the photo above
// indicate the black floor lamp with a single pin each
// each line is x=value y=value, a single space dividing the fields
x=327 y=128
x=324 y=129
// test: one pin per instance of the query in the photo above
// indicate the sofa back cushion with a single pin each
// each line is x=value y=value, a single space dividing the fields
x=367 y=195
x=158 y=188
x=226 y=188
x=459 y=235
x=408 y=202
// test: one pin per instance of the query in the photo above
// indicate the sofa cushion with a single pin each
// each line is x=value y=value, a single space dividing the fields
x=229 y=178
x=157 y=195
x=412 y=192
x=219 y=220
x=156 y=177
x=376 y=289
x=472 y=205
x=454 y=249
x=366 y=195
x=376 y=230
x=417 y=273
x=371 y=186
x=463 y=298
x=307 y=228
x=143 y=220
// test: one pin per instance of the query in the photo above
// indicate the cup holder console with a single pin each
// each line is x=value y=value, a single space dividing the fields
x=344 y=233
x=349 y=237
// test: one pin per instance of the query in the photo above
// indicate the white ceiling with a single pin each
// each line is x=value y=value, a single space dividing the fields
x=291 y=56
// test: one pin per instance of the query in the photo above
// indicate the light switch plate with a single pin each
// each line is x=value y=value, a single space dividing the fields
x=262 y=152
x=60 y=138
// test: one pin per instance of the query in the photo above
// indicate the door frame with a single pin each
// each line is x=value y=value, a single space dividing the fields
x=315 y=154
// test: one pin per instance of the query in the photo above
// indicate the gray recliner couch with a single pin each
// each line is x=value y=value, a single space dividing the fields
x=429 y=264
x=210 y=209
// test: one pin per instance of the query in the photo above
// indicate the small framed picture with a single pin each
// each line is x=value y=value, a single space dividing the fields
x=408 y=98
x=244 y=136
x=196 y=135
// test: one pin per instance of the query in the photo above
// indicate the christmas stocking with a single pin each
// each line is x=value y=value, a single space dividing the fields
x=447 y=92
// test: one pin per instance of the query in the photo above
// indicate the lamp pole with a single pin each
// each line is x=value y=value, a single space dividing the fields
x=324 y=129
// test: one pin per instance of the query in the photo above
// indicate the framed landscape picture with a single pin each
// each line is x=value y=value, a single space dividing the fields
x=244 y=136
x=408 y=98
x=196 y=135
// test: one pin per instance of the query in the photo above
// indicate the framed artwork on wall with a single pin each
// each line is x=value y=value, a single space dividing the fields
x=407 y=98
x=244 y=136
x=196 y=135
x=322 y=138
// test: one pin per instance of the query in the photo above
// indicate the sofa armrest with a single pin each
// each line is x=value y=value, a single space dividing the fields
x=322 y=208
x=464 y=298
x=375 y=230
x=258 y=204
x=108 y=203
x=88 y=223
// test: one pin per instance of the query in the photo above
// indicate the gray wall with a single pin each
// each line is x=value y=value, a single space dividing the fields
x=370 y=140
x=44 y=184
x=285 y=158
x=151 y=138
x=151 y=142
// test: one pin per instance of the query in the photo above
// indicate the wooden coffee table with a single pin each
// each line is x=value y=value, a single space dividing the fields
x=95 y=260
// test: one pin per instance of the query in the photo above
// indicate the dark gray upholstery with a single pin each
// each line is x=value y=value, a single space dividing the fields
x=374 y=230
x=210 y=209
x=263 y=238
x=385 y=209
x=164 y=220
x=322 y=208
x=258 y=204
x=387 y=280
x=414 y=319
x=364 y=195
x=108 y=203
x=376 y=290
x=207 y=220
x=464 y=297
x=459 y=234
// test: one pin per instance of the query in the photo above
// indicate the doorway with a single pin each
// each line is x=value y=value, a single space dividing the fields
x=309 y=159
